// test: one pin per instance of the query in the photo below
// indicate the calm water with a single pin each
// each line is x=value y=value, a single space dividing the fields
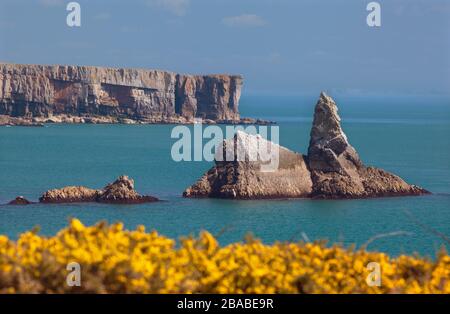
x=408 y=136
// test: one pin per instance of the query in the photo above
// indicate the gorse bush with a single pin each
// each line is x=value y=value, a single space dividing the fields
x=114 y=260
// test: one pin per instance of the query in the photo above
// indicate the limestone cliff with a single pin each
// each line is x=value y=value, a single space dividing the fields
x=143 y=95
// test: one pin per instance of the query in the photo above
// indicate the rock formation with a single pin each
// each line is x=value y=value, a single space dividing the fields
x=150 y=96
x=20 y=121
x=20 y=200
x=70 y=194
x=336 y=170
x=120 y=191
x=252 y=178
x=332 y=168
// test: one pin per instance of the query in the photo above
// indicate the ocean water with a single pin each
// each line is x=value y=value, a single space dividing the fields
x=405 y=135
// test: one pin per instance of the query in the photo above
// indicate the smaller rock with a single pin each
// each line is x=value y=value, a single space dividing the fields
x=52 y=119
x=70 y=194
x=20 y=200
x=126 y=121
x=122 y=191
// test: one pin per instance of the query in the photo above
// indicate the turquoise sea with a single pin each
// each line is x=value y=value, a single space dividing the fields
x=406 y=135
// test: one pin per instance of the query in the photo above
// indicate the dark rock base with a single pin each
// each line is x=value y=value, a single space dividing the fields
x=20 y=200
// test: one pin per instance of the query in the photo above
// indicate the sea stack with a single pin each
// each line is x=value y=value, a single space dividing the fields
x=331 y=170
x=336 y=170
x=248 y=177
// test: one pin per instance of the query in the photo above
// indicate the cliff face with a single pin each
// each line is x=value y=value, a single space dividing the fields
x=41 y=91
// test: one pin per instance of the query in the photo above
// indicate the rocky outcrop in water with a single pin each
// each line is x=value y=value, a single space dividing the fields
x=20 y=200
x=336 y=169
x=252 y=178
x=120 y=191
x=70 y=194
x=332 y=169
x=148 y=96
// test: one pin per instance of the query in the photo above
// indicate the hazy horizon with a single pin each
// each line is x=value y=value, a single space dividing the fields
x=279 y=47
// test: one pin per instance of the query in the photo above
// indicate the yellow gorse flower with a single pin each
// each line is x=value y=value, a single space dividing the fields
x=115 y=260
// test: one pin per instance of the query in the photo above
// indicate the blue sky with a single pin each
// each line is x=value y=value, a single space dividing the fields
x=279 y=46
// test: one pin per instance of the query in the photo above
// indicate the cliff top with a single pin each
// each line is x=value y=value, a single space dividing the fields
x=89 y=68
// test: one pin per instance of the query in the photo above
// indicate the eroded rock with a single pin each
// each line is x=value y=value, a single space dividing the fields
x=120 y=191
x=20 y=200
x=332 y=168
x=336 y=169
x=70 y=194
x=252 y=178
